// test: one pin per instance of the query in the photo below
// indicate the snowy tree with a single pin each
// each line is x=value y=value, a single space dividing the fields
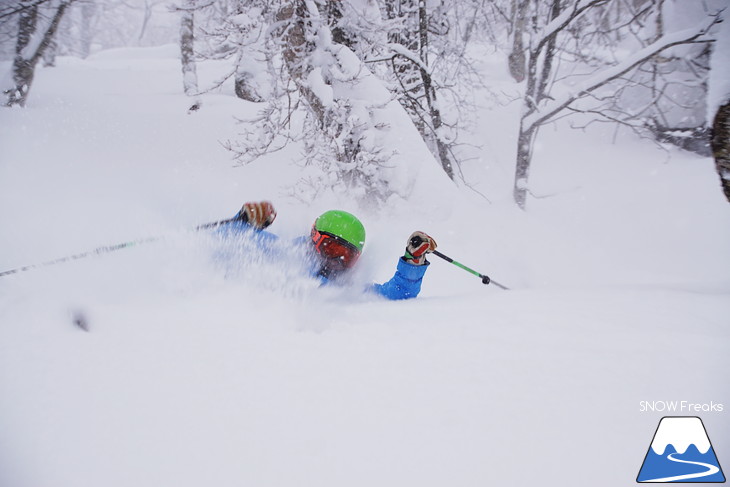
x=341 y=100
x=516 y=58
x=38 y=22
x=665 y=96
x=106 y=24
x=95 y=24
x=418 y=50
x=147 y=8
x=75 y=34
x=549 y=93
x=253 y=55
x=410 y=45
x=718 y=102
x=238 y=31
x=308 y=36
x=337 y=89
x=187 y=51
x=86 y=35
x=721 y=146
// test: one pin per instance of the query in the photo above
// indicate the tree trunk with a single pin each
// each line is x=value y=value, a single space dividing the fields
x=297 y=49
x=525 y=142
x=392 y=12
x=537 y=92
x=527 y=133
x=436 y=122
x=49 y=55
x=340 y=35
x=721 y=146
x=88 y=10
x=548 y=57
x=245 y=84
x=416 y=83
x=516 y=59
x=30 y=47
x=187 y=51
x=146 y=20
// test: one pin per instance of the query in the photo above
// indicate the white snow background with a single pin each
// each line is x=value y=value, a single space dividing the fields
x=196 y=371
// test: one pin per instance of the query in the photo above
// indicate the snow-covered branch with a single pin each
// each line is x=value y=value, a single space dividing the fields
x=33 y=39
x=562 y=21
x=401 y=50
x=44 y=31
x=20 y=7
x=551 y=108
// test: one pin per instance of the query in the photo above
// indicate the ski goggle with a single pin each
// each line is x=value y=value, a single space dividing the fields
x=338 y=253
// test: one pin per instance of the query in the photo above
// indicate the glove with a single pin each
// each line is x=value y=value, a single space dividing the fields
x=419 y=244
x=257 y=214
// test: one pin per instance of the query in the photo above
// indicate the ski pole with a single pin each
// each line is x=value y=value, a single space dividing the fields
x=106 y=249
x=485 y=279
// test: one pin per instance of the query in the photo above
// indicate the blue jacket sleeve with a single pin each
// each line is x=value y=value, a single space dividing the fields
x=238 y=229
x=405 y=284
x=240 y=243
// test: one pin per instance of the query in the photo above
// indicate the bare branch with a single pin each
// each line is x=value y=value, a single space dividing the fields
x=548 y=110
x=21 y=7
x=562 y=21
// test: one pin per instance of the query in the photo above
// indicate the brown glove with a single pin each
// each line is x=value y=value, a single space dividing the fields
x=419 y=244
x=259 y=214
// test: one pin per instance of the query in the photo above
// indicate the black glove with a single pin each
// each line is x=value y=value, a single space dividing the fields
x=419 y=244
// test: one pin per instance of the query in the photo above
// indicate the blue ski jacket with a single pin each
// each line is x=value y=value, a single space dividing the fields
x=405 y=283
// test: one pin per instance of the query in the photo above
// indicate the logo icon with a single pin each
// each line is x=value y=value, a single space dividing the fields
x=681 y=452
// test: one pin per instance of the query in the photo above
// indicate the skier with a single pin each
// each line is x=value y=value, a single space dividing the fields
x=335 y=243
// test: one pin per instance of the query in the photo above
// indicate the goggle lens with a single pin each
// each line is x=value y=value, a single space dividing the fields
x=338 y=253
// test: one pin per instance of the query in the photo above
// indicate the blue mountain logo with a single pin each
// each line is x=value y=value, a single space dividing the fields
x=681 y=452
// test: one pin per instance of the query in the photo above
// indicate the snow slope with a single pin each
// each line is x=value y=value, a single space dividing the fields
x=194 y=373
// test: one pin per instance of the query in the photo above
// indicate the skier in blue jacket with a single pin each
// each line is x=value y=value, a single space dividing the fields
x=334 y=245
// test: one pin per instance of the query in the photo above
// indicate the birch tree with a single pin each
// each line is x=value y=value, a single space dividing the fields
x=665 y=96
x=545 y=98
x=187 y=52
x=38 y=22
x=418 y=93
x=343 y=100
x=86 y=34
x=238 y=31
x=516 y=59
x=253 y=56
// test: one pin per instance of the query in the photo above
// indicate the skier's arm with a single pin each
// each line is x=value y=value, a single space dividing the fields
x=250 y=222
x=406 y=283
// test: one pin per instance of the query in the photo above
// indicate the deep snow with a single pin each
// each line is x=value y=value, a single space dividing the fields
x=194 y=374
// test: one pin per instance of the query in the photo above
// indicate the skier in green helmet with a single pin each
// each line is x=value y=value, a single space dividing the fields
x=336 y=240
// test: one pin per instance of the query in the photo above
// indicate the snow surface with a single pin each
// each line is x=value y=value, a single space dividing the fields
x=197 y=373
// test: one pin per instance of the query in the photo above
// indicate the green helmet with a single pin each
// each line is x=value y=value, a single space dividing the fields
x=342 y=224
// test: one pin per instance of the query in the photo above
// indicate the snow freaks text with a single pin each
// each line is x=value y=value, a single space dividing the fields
x=680 y=407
